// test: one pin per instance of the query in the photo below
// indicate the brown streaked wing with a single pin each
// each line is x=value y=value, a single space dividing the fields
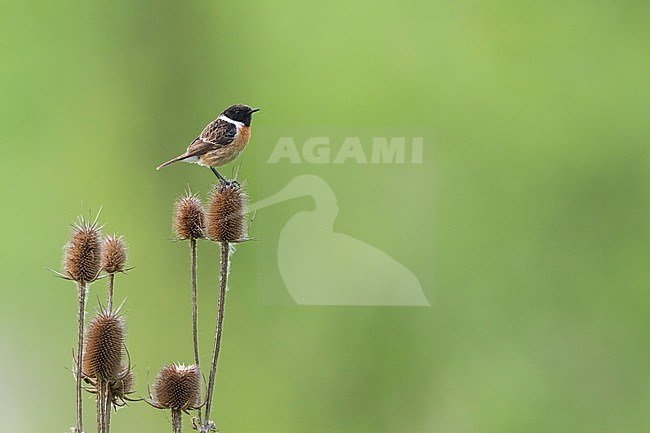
x=219 y=132
x=199 y=147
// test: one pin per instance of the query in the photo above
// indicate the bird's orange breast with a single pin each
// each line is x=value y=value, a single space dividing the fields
x=228 y=153
x=241 y=140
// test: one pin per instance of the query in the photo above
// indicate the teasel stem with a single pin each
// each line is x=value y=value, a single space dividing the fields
x=81 y=298
x=102 y=396
x=177 y=421
x=195 y=332
x=100 y=407
x=195 y=337
x=223 y=279
x=111 y=281
x=107 y=410
x=103 y=406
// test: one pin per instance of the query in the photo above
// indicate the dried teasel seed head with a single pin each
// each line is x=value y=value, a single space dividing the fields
x=189 y=218
x=113 y=254
x=227 y=214
x=178 y=387
x=82 y=259
x=104 y=347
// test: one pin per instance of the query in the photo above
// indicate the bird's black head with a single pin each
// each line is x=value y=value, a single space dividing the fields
x=240 y=113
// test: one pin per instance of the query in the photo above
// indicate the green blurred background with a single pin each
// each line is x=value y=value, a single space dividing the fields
x=527 y=223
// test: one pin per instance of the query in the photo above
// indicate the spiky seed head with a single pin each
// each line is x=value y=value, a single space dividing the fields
x=227 y=214
x=178 y=387
x=104 y=347
x=189 y=217
x=113 y=254
x=82 y=258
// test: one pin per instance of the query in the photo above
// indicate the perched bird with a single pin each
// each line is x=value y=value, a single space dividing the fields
x=222 y=141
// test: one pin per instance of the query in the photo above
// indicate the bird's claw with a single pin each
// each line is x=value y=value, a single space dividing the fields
x=229 y=183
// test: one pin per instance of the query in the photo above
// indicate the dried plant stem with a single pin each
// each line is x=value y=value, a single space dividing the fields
x=177 y=421
x=100 y=409
x=102 y=395
x=195 y=332
x=107 y=410
x=81 y=298
x=195 y=337
x=223 y=277
x=111 y=280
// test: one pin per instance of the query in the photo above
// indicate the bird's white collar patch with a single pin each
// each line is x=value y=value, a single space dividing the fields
x=229 y=120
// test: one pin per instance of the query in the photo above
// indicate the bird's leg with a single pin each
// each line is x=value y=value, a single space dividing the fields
x=220 y=177
x=225 y=181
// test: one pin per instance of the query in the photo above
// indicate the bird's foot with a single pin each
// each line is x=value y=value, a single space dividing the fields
x=228 y=183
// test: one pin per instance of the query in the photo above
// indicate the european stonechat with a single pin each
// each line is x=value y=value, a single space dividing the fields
x=222 y=141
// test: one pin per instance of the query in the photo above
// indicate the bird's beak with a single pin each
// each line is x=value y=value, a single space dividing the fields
x=254 y=110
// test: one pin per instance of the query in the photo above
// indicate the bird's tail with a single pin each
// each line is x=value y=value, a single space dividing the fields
x=171 y=161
